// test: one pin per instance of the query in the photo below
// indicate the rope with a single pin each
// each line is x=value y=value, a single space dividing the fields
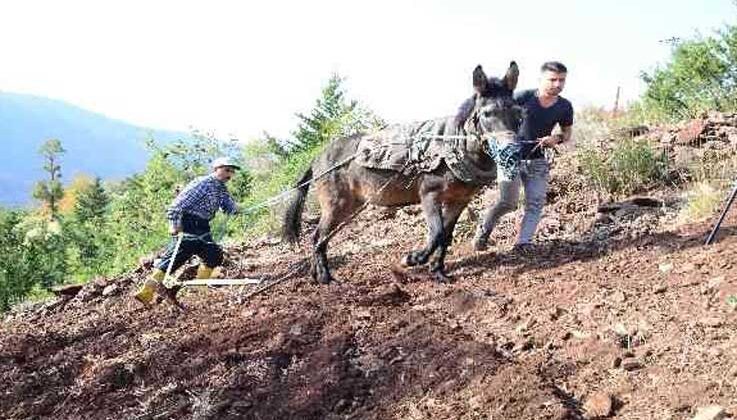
x=278 y=197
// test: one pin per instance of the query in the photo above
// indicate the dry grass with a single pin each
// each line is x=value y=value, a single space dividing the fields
x=701 y=201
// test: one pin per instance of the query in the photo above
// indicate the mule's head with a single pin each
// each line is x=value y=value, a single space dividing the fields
x=495 y=110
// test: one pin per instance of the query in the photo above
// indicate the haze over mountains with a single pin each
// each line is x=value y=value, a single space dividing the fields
x=95 y=144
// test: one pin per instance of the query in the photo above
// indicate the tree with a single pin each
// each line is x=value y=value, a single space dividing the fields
x=91 y=203
x=701 y=75
x=17 y=274
x=71 y=193
x=333 y=116
x=51 y=191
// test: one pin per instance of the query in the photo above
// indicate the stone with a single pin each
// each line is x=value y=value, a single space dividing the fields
x=616 y=362
x=691 y=132
x=598 y=405
x=631 y=364
x=67 y=290
x=665 y=267
x=712 y=412
x=619 y=296
x=711 y=321
x=660 y=288
x=110 y=289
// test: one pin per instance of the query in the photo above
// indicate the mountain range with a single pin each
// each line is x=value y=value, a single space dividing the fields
x=95 y=145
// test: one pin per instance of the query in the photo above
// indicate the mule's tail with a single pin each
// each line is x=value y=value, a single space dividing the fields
x=293 y=216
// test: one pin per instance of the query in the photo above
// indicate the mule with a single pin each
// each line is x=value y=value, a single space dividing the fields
x=344 y=189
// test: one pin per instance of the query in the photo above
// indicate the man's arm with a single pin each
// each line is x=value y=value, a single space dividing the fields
x=566 y=133
x=228 y=205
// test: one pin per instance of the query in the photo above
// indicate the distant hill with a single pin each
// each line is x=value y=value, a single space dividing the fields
x=94 y=144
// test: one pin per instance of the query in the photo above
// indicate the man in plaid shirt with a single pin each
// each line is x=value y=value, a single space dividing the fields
x=190 y=214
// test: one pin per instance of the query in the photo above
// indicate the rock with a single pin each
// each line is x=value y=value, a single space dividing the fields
x=363 y=314
x=580 y=335
x=715 y=283
x=68 y=290
x=711 y=321
x=619 y=296
x=732 y=138
x=631 y=364
x=110 y=289
x=523 y=345
x=667 y=138
x=341 y=405
x=100 y=282
x=598 y=405
x=556 y=313
x=616 y=362
x=524 y=328
x=715 y=352
x=712 y=412
x=665 y=267
x=659 y=289
x=691 y=132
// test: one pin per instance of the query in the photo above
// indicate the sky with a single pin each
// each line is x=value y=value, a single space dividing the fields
x=239 y=68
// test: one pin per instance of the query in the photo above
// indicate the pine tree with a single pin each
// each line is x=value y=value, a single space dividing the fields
x=333 y=116
x=51 y=191
x=92 y=203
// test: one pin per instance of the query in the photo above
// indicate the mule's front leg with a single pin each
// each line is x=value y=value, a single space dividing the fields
x=432 y=211
x=451 y=212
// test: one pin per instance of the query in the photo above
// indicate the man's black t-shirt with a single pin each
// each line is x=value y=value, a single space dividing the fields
x=539 y=121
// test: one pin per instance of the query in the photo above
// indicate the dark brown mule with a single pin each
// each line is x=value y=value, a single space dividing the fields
x=343 y=190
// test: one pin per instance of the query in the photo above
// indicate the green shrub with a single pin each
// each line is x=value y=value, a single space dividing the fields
x=700 y=76
x=629 y=166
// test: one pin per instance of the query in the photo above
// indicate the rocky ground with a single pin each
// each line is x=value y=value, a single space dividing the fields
x=619 y=313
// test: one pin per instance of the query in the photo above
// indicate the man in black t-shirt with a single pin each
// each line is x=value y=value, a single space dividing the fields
x=544 y=109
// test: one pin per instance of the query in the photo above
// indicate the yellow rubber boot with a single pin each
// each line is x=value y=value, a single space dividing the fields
x=146 y=293
x=203 y=273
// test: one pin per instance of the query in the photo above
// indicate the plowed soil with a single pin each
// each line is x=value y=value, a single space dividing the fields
x=627 y=310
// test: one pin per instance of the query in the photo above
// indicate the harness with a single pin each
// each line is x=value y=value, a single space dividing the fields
x=503 y=147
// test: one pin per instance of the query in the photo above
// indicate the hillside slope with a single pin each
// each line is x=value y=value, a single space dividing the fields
x=625 y=314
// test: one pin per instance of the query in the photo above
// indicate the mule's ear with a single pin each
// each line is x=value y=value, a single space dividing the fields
x=479 y=80
x=510 y=79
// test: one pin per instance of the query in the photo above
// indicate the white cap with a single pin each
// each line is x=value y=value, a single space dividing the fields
x=224 y=161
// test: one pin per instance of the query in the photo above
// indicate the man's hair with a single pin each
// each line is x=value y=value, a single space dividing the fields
x=554 y=66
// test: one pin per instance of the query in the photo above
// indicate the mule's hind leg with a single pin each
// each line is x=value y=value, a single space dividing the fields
x=433 y=212
x=451 y=213
x=334 y=212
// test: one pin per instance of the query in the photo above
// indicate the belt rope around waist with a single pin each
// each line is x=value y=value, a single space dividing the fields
x=195 y=237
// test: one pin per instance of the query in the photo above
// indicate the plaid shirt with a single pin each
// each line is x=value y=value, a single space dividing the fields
x=202 y=197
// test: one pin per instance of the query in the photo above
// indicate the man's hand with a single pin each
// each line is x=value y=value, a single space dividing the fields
x=174 y=230
x=550 y=141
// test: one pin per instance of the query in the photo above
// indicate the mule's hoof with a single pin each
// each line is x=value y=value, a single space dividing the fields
x=406 y=261
x=441 y=277
x=414 y=258
x=322 y=276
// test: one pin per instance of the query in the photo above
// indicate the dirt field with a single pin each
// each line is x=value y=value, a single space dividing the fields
x=617 y=314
